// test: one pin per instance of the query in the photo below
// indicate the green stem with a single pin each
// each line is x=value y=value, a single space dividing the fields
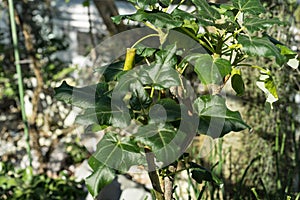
x=20 y=81
x=197 y=39
x=143 y=38
x=152 y=92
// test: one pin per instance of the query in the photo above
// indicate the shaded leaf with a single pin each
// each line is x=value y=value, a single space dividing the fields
x=84 y=97
x=182 y=15
x=114 y=70
x=127 y=86
x=216 y=119
x=140 y=99
x=171 y=109
x=145 y=51
x=200 y=174
x=101 y=115
x=237 y=84
x=111 y=71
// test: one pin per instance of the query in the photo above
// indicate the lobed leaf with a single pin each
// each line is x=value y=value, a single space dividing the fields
x=140 y=99
x=163 y=139
x=161 y=74
x=249 y=6
x=216 y=119
x=85 y=97
x=118 y=153
x=255 y=23
x=256 y=46
x=211 y=71
x=205 y=10
x=158 y=19
x=172 y=111
x=267 y=85
x=101 y=115
x=101 y=176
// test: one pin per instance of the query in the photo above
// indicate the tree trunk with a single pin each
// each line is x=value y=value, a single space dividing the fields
x=108 y=9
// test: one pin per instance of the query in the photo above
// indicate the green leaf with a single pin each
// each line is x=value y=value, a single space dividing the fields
x=267 y=85
x=127 y=86
x=200 y=174
x=86 y=3
x=117 y=19
x=237 y=84
x=169 y=107
x=211 y=71
x=216 y=119
x=291 y=56
x=101 y=115
x=256 y=46
x=161 y=74
x=118 y=153
x=140 y=99
x=84 y=97
x=155 y=135
x=182 y=15
x=284 y=50
x=165 y=3
x=143 y=3
x=205 y=10
x=164 y=140
x=255 y=23
x=111 y=71
x=145 y=51
x=158 y=19
x=249 y=6
x=101 y=176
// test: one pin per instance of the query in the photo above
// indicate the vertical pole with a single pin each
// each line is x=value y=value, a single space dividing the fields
x=20 y=80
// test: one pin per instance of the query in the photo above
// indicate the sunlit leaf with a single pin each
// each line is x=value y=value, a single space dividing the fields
x=205 y=10
x=101 y=176
x=267 y=85
x=163 y=140
x=249 y=6
x=143 y=3
x=256 y=46
x=118 y=153
x=211 y=70
x=159 y=19
x=255 y=23
x=161 y=74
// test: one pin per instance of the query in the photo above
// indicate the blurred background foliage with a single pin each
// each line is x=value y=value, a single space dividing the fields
x=265 y=164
